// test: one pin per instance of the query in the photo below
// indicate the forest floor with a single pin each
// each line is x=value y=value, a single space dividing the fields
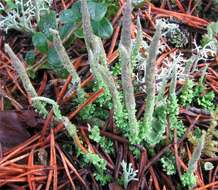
x=39 y=153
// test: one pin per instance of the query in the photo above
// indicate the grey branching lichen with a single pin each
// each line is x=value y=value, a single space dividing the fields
x=21 y=71
x=129 y=174
x=21 y=17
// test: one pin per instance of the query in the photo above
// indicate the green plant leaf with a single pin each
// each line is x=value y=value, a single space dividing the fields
x=30 y=57
x=103 y=28
x=97 y=11
x=40 y=42
x=11 y=5
x=55 y=63
x=65 y=29
x=71 y=15
x=46 y=22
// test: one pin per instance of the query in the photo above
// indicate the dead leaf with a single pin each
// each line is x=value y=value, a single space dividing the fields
x=13 y=127
x=115 y=186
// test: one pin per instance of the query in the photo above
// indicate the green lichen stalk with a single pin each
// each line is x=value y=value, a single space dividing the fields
x=128 y=91
x=150 y=82
x=67 y=63
x=97 y=54
x=188 y=179
x=108 y=80
x=126 y=29
x=126 y=74
x=137 y=44
x=21 y=71
x=87 y=28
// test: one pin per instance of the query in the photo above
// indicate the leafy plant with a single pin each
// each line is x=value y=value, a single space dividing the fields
x=105 y=144
x=212 y=31
x=47 y=21
x=188 y=180
x=40 y=42
x=112 y=7
x=187 y=94
x=169 y=164
x=100 y=24
x=206 y=101
x=100 y=167
x=30 y=57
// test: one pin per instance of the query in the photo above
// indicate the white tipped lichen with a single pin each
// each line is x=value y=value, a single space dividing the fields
x=21 y=17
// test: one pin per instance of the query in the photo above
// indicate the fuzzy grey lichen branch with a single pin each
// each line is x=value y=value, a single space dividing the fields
x=62 y=54
x=102 y=55
x=192 y=164
x=109 y=81
x=92 y=42
x=21 y=71
x=126 y=26
x=137 y=44
x=125 y=50
x=128 y=90
x=71 y=128
x=173 y=81
x=87 y=28
x=103 y=75
x=150 y=80
x=161 y=93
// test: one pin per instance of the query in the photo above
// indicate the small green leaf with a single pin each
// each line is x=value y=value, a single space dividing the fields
x=65 y=29
x=103 y=28
x=97 y=10
x=46 y=22
x=55 y=63
x=72 y=15
x=40 y=42
x=30 y=57
x=11 y=5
